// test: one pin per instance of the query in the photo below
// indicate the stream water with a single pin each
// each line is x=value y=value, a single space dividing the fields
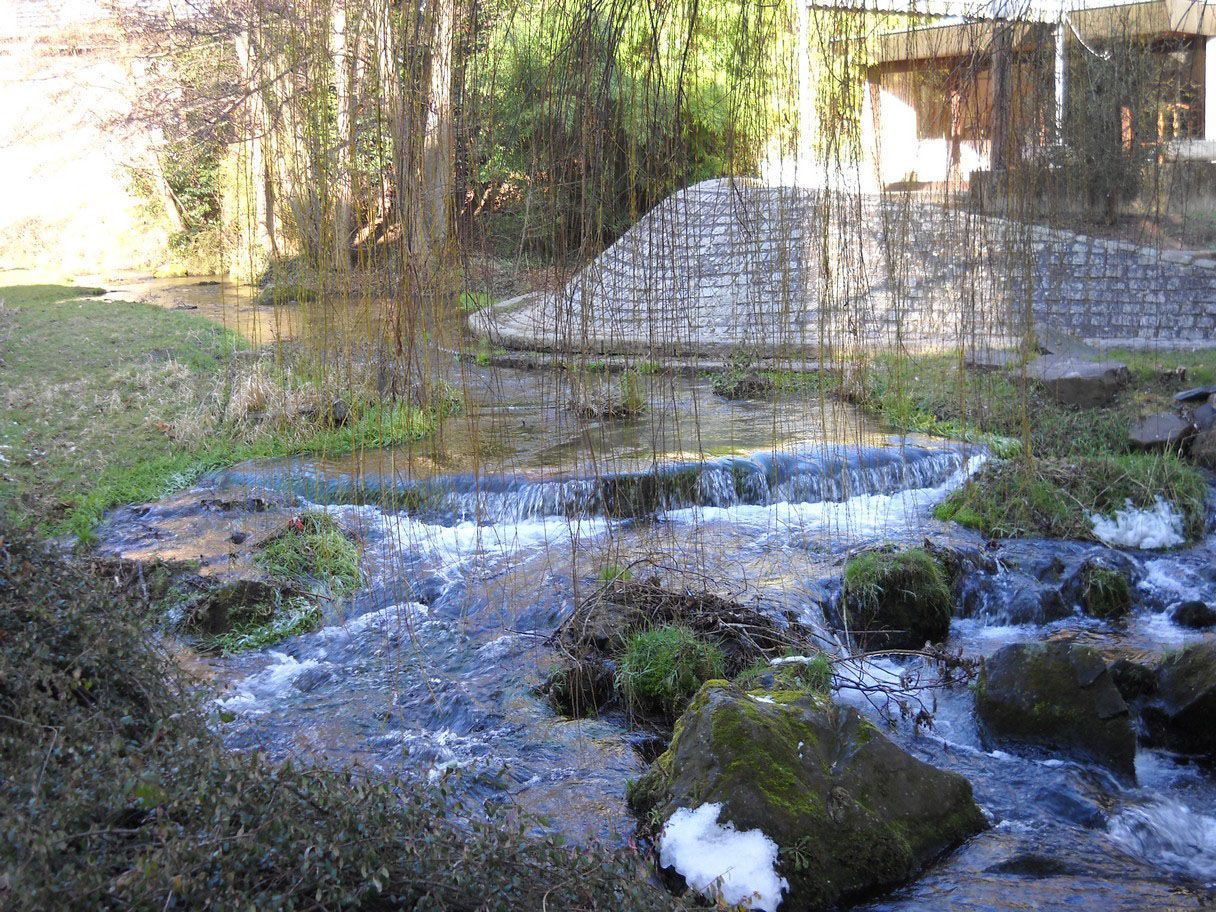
x=508 y=516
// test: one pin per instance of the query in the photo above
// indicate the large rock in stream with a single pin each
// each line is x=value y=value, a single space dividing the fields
x=896 y=599
x=851 y=813
x=1060 y=697
x=1184 y=714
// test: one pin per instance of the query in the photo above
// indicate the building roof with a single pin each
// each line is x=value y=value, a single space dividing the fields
x=1091 y=21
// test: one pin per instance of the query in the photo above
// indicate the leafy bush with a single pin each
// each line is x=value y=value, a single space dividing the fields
x=663 y=667
x=740 y=379
x=115 y=795
x=313 y=546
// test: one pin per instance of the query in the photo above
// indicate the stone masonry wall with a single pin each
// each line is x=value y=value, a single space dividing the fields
x=726 y=264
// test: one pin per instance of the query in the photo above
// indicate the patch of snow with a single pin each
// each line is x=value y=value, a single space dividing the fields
x=738 y=869
x=1136 y=527
x=769 y=700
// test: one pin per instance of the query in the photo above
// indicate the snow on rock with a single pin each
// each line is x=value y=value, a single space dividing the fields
x=719 y=861
x=1136 y=527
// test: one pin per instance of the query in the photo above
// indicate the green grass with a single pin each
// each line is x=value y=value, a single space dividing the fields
x=913 y=576
x=615 y=573
x=312 y=547
x=471 y=301
x=663 y=667
x=814 y=676
x=94 y=391
x=1055 y=498
x=1080 y=461
x=294 y=616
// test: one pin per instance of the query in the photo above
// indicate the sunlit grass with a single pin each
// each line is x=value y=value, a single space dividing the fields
x=107 y=403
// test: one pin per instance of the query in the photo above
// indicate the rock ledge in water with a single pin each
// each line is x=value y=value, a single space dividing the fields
x=851 y=813
x=1060 y=697
x=1184 y=715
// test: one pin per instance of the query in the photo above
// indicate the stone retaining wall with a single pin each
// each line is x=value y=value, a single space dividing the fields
x=726 y=264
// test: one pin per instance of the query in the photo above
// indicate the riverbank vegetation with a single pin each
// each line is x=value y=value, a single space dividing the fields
x=116 y=793
x=110 y=402
x=1062 y=464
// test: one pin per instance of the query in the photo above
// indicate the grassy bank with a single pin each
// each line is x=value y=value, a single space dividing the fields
x=107 y=403
x=1073 y=462
x=114 y=794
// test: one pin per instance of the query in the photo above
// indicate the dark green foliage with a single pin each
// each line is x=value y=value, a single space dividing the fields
x=663 y=667
x=1055 y=498
x=660 y=90
x=114 y=794
x=897 y=599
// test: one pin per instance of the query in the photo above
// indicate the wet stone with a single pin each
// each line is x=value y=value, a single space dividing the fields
x=1184 y=713
x=1161 y=431
x=1194 y=614
x=1196 y=394
x=1059 y=697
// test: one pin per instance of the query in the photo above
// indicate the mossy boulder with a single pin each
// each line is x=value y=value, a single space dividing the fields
x=1103 y=592
x=1184 y=713
x=851 y=813
x=896 y=599
x=1058 y=697
x=285 y=293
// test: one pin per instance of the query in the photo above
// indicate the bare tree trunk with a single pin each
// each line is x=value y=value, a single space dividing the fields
x=438 y=145
x=1002 y=100
x=258 y=135
x=343 y=56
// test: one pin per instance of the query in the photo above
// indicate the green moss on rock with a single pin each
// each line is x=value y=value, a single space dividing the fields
x=820 y=781
x=1060 y=697
x=897 y=599
x=1105 y=592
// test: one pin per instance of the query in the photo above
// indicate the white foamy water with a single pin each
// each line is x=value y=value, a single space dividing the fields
x=267 y=684
x=1168 y=833
x=861 y=515
x=451 y=545
x=1137 y=527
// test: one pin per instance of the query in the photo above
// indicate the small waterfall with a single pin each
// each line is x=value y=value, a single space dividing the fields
x=829 y=474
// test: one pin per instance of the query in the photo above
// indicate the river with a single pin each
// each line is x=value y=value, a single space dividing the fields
x=516 y=507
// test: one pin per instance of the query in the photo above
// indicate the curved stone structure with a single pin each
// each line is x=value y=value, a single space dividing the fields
x=789 y=271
